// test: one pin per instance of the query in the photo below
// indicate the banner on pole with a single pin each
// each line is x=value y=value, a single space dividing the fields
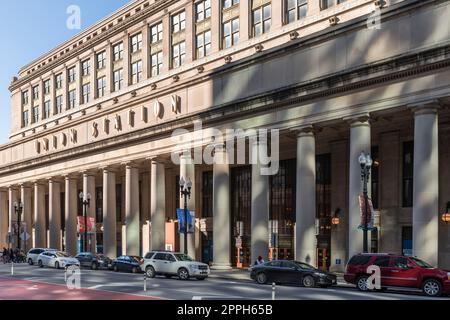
x=181 y=221
x=366 y=215
x=90 y=222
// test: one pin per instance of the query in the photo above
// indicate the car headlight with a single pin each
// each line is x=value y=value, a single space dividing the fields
x=320 y=274
x=193 y=267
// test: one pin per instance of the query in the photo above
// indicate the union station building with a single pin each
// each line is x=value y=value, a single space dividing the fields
x=335 y=78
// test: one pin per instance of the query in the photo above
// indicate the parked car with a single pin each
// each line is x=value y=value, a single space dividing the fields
x=94 y=260
x=33 y=254
x=56 y=259
x=294 y=272
x=174 y=264
x=127 y=264
x=398 y=271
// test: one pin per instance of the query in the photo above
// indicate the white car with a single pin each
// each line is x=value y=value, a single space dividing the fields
x=56 y=259
x=34 y=253
x=173 y=264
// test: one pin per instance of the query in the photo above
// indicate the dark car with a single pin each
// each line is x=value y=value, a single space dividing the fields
x=398 y=271
x=285 y=271
x=94 y=261
x=128 y=264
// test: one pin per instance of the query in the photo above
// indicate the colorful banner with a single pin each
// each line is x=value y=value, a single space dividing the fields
x=181 y=221
x=369 y=214
x=90 y=222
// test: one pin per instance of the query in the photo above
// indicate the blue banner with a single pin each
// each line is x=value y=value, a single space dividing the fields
x=181 y=221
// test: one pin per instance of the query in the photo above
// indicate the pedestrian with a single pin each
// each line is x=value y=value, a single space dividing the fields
x=11 y=255
x=5 y=255
x=259 y=261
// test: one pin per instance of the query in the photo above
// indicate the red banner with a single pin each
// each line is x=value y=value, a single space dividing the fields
x=366 y=215
x=90 y=223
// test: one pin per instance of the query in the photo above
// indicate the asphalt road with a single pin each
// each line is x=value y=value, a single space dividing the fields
x=99 y=282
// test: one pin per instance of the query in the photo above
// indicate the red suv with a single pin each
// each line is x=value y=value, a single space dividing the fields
x=398 y=271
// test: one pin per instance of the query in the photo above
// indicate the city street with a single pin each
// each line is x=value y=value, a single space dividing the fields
x=33 y=283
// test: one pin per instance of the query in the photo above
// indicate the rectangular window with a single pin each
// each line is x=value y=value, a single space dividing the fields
x=230 y=33
x=86 y=92
x=262 y=20
x=408 y=173
x=118 y=51
x=36 y=114
x=179 y=22
x=203 y=44
x=86 y=67
x=25 y=118
x=136 y=72
x=47 y=87
x=72 y=74
x=24 y=97
x=72 y=99
x=229 y=3
x=157 y=63
x=101 y=87
x=59 y=80
x=118 y=79
x=156 y=33
x=47 y=109
x=59 y=104
x=296 y=10
x=325 y=4
x=101 y=60
x=35 y=92
x=202 y=10
x=136 y=42
x=178 y=54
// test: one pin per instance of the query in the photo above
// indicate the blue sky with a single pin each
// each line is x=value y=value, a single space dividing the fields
x=29 y=28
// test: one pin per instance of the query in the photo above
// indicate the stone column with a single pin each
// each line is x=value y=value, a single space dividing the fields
x=40 y=227
x=221 y=210
x=216 y=18
x=145 y=52
x=359 y=142
x=71 y=206
x=167 y=44
x=158 y=205
x=126 y=59
x=3 y=218
x=305 y=248
x=426 y=183
x=25 y=195
x=54 y=202
x=277 y=14
x=89 y=188
x=187 y=171
x=109 y=213
x=12 y=197
x=190 y=32
x=260 y=206
x=244 y=20
x=132 y=210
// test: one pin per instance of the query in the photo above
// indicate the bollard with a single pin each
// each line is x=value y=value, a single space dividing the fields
x=65 y=274
x=145 y=282
x=273 y=290
x=12 y=268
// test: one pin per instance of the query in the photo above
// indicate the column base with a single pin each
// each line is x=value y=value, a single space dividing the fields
x=221 y=266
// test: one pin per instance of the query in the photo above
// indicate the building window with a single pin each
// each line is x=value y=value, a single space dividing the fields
x=156 y=33
x=408 y=173
x=229 y=3
x=86 y=67
x=24 y=97
x=157 y=63
x=325 y=4
x=35 y=92
x=118 y=51
x=230 y=33
x=59 y=104
x=47 y=87
x=203 y=44
x=296 y=10
x=136 y=72
x=101 y=60
x=136 y=42
x=25 y=118
x=72 y=98
x=47 y=109
x=101 y=86
x=72 y=74
x=58 y=81
x=375 y=177
x=86 y=92
x=202 y=10
x=118 y=79
x=178 y=54
x=179 y=22
x=262 y=20
x=36 y=114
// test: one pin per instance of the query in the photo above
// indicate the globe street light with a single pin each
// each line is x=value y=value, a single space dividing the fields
x=86 y=201
x=365 y=160
x=186 y=194
x=18 y=208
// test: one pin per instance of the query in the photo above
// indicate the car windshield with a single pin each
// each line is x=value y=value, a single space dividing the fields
x=183 y=257
x=422 y=263
x=303 y=265
x=135 y=258
x=62 y=254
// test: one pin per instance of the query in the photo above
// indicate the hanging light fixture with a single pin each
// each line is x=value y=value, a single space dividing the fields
x=446 y=214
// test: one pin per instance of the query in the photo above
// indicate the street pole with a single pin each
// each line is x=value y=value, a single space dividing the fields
x=365 y=242
x=85 y=225
x=185 y=226
x=366 y=163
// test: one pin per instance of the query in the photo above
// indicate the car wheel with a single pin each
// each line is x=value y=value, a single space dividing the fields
x=261 y=278
x=56 y=265
x=183 y=274
x=116 y=268
x=308 y=282
x=150 y=272
x=40 y=264
x=30 y=262
x=432 y=288
x=361 y=283
x=94 y=266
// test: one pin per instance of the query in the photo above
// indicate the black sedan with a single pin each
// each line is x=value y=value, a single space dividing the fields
x=293 y=272
x=94 y=260
x=127 y=264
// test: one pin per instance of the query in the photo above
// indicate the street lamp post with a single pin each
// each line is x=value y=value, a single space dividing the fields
x=18 y=207
x=86 y=200
x=186 y=194
x=365 y=160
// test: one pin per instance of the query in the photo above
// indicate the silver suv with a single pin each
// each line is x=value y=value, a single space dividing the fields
x=173 y=264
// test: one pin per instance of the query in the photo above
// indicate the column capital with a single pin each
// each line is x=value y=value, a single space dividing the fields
x=25 y=185
x=55 y=180
x=425 y=107
x=38 y=183
x=70 y=176
x=130 y=164
x=362 y=119
x=89 y=172
x=304 y=130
